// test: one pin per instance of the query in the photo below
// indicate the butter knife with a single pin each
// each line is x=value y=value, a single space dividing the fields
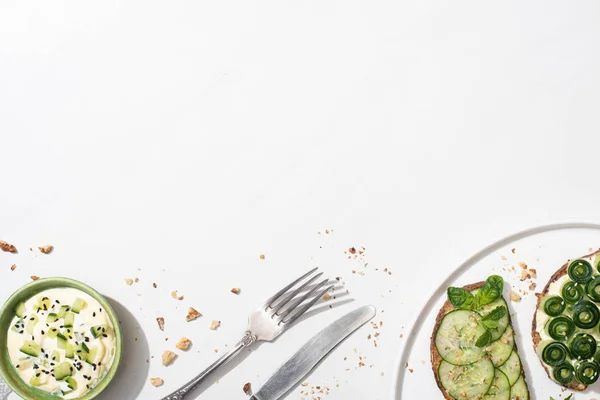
x=309 y=355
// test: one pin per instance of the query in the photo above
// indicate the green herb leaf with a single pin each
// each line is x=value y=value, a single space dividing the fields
x=484 y=339
x=460 y=298
x=496 y=314
x=491 y=290
x=490 y=324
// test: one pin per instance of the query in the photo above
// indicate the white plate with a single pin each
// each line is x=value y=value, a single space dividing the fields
x=545 y=249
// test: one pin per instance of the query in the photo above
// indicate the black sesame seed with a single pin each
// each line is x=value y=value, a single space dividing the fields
x=46 y=372
x=32 y=337
x=21 y=332
x=17 y=366
x=57 y=302
x=43 y=333
x=99 y=363
x=105 y=335
x=35 y=366
x=38 y=374
x=31 y=319
x=100 y=309
x=94 y=314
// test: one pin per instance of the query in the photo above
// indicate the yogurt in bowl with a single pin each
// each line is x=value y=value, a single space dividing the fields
x=62 y=340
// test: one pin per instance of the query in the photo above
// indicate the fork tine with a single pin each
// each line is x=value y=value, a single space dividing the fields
x=285 y=289
x=289 y=299
x=306 y=306
x=296 y=302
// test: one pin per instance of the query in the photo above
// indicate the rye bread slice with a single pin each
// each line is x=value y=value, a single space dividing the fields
x=436 y=359
x=562 y=271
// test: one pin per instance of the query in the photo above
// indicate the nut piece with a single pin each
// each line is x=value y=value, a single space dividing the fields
x=167 y=357
x=13 y=267
x=247 y=388
x=215 y=324
x=34 y=278
x=192 y=314
x=7 y=247
x=183 y=344
x=533 y=272
x=156 y=382
x=161 y=323
x=129 y=281
x=326 y=296
x=262 y=256
x=514 y=296
x=236 y=290
x=47 y=248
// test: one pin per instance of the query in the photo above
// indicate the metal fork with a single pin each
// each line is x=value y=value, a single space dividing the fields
x=267 y=322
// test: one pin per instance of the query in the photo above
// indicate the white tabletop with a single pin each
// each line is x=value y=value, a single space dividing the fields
x=177 y=142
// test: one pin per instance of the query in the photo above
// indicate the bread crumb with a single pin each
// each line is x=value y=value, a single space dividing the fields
x=514 y=296
x=192 y=314
x=46 y=248
x=154 y=285
x=156 y=382
x=136 y=280
x=262 y=256
x=174 y=295
x=326 y=296
x=9 y=248
x=13 y=267
x=215 y=324
x=524 y=274
x=167 y=357
x=247 y=388
x=532 y=286
x=533 y=272
x=522 y=265
x=236 y=290
x=34 y=277
x=183 y=344
x=352 y=250
x=129 y=281
x=161 y=323
x=513 y=250
x=503 y=258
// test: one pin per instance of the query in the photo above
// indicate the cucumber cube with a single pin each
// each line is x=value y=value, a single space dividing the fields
x=20 y=310
x=61 y=341
x=52 y=317
x=70 y=351
x=55 y=356
x=71 y=382
x=44 y=304
x=78 y=305
x=63 y=370
x=69 y=318
x=92 y=355
x=99 y=331
x=63 y=310
x=52 y=333
x=31 y=322
x=31 y=348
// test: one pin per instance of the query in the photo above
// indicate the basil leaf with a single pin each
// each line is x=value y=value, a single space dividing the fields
x=491 y=290
x=496 y=314
x=460 y=298
x=484 y=339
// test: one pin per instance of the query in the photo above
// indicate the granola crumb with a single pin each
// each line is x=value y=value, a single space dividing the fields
x=236 y=290
x=247 y=388
x=161 y=323
x=156 y=382
x=513 y=250
x=352 y=250
x=13 y=267
x=154 y=285
x=34 y=277
x=167 y=357
x=184 y=343
x=136 y=280
x=522 y=265
x=532 y=286
x=46 y=248
x=129 y=281
x=192 y=314
x=533 y=272
x=215 y=324
x=514 y=296
x=262 y=256
x=174 y=294
x=9 y=248
x=326 y=296
x=503 y=258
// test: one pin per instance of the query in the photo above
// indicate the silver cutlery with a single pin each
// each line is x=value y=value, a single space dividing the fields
x=309 y=355
x=267 y=322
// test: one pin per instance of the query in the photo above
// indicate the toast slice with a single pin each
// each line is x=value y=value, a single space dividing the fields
x=488 y=370
x=540 y=325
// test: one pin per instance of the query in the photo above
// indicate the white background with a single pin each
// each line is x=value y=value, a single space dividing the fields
x=184 y=139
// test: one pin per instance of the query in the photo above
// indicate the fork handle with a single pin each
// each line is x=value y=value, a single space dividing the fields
x=181 y=393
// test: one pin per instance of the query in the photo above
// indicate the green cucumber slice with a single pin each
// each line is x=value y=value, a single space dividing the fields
x=91 y=357
x=52 y=317
x=580 y=271
x=55 y=356
x=71 y=382
x=31 y=348
x=519 y=390
x=70 y=351
x=78 y=305
x=61 y=341
x=500 y=389
x=63 y=310
x=68 y=333
x=63 y=370
x=44 y=304
x=100 y=330
x=69 y=319
x=52 y=333
x=456 y=336
x=500 y=350
x=20 y=310
x=502 y=322
x=470 y=381
x=512 y=368
x=38 y=379
x=31 y=322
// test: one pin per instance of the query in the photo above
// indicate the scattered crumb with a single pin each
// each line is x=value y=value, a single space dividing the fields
x=411 y=370
x=156 y=382
x=167 y=357
x=513 y=250
x=4 y=246
x=352 y=250
x=129 y=281
x=192 y=314
x=154 y=285
x=46 y=248
x=533 y=272
x=326 y=296
x=183 y=344
x=247 y=388
x=215 y=324
x=532 y=286
x=136 y=280
x=522 y=265
x=503 y=258
x=236 y=290
x=34 y=278
x=514 y=296
x=262 y=256
x=174 y=295
x=161 y=323
x=13 y=267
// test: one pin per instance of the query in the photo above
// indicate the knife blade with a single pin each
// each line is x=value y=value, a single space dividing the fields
x=309 y=355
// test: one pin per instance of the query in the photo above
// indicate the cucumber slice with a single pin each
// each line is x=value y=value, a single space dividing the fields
x=500 y=389
x=52 y=317
x=69 y=319
x=55 y=356
x=502 y=322
x=500 y=350
x=38 y=379
x=44 y=304
x=100 y=330
x=70 y=351
x=71 y=382
x=470 y=381
x=20 y=310
x=82 y=351
x=91 y=357
x=512 y=368
x=63 y=310
x=52 y=333
x=63 y=370
x=31 y=348
x=78 y=305
x=519 y=390
x=456 y=336
x=61 y=341
x=68 y=333
x=31 y=322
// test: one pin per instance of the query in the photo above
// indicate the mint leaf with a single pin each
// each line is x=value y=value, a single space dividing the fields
x=461 y=298
x=490 y=325
x=496 y=314
x=484 y=339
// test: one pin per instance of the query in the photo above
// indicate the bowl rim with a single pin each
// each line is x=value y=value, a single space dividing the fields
x=19 y=386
